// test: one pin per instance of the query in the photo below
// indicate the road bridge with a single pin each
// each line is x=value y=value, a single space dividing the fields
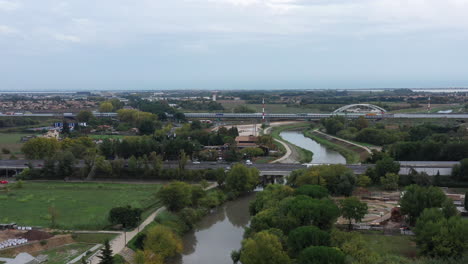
x=272 y=169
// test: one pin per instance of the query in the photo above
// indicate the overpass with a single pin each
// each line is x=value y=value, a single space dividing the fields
x=271 y=169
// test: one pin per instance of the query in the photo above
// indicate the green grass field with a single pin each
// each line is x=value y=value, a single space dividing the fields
x=82 y=206
x=65 y=253
x=12 y=142
x=395 y=245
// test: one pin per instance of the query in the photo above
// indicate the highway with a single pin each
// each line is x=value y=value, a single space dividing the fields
x=431 y=167
x=298 y=116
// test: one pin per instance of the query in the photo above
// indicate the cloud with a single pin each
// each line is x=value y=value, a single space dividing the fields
x=67 y=38
x=7 y=30
x=9 y=5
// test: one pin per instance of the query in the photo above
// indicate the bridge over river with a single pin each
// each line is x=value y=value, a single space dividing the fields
x=11 y=167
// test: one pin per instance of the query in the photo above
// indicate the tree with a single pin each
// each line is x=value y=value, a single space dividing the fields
x=147 y=257
x=321 y=255
x=448 y=208
x=66 y=163
x=308 y=211
x=353 y=209
x=127 y=216
x=361 y=123
x=417 y=198
x=176 y=195
x=241 y=179
x=387 y=165
x=333 y=124
x=106 y=254
x=65 y=128
x=437 y=236
x=314 y=191
x=162 y=241
x=390 y=181
x=305 y=236
x=269 y=197
x=84 y=116
x=466 y=201
x=460 y=171
x=106 y=107
x=40 y=148
x=147 y=127
x=263 y=248
x=363 y=180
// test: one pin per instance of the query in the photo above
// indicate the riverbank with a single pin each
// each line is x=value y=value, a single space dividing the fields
x=351 y=156
x=299 y=154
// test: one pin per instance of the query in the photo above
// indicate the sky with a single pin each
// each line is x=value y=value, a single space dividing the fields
x=232 y=44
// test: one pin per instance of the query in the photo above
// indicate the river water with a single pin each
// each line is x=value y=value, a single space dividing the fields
x=220 y=232
x=321 y=153
x=217 y=234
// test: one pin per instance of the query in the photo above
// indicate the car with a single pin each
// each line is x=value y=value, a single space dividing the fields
x=248 y=162
x=3 y=182
x=195 y=162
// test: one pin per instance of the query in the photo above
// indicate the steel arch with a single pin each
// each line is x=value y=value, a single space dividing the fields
x=346 y=107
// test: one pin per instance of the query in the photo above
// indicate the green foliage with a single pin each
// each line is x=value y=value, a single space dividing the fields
x=338 y=179
x=417 y=198
x=305 y=236
x=363 y=180
x=243 y=109
x=127 y=216
x=40 y=148
x=377 y=136
x=353 y=209
x=252 y=152
x=314 y=191
x=390 y=181
x=106 y=107
x=163 y=241
x=460 y=172
x=241 y=179
x=269 y=197
x=176 y=195
x=308 y=211
x=437 y=236
x=106 y=254
x=321 y=255
x=333 y=124
x=263 y=248
x=84 y=116
x=386 y=165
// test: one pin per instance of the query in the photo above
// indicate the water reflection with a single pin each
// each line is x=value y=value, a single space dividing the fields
x=217 y=234
x=321 y=153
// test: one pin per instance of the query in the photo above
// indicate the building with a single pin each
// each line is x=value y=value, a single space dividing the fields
x=246 y=141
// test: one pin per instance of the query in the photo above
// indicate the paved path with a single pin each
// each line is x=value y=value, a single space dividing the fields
x=344 y=140
x=288 y=157
x=119 y=243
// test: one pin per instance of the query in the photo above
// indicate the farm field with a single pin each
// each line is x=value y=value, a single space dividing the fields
x=65 y=253
x=82 y=206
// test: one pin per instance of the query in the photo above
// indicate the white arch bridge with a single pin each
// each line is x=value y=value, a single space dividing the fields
x=373 y=108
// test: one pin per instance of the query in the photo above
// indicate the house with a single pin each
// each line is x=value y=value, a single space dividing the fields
x=246 y=141
x=53 y=133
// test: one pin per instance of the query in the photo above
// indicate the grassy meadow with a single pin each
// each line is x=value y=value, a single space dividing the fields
x=76 y=205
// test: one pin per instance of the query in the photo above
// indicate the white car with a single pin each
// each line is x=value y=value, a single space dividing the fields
x=195 y=162
x=248 y=162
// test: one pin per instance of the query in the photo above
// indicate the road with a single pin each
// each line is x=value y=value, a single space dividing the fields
x=269 y=116
x=428 y=166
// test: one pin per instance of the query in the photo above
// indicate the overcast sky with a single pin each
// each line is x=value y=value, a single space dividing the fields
x=225 y=44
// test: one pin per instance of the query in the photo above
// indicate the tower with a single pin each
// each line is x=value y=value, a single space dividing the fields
x=263 y=109
x=429 y=104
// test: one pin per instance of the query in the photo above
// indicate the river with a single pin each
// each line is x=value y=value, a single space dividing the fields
x=321 y=153
x=220 y=232
x=217 y=234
